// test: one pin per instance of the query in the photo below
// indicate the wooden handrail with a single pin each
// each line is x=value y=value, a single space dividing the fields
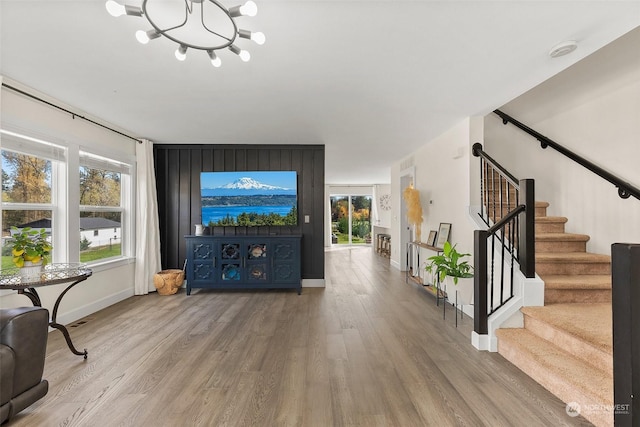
x=625 y=189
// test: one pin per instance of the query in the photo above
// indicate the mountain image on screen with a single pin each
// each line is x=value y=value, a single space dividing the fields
x=246 y=186
x=249 y=198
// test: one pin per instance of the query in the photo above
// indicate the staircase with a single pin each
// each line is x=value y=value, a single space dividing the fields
x=566 y=345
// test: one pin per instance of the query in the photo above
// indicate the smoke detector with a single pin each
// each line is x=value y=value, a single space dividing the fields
x=564 y=48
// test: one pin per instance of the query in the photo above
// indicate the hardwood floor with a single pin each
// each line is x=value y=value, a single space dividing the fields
x=367 y=350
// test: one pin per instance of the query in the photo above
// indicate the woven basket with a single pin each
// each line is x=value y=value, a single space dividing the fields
x=167 y=282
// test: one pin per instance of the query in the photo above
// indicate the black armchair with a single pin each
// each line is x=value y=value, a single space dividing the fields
x=23 y=345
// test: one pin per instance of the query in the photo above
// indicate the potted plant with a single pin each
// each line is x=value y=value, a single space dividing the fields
x=452 y=264
x=30 y=247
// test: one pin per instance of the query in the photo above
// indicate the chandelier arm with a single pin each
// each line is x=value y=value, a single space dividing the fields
x=164 y=32
x=160 y=30
x=224 y=9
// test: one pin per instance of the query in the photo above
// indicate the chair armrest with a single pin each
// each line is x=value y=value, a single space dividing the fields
x=24 y=330
x=7 y=368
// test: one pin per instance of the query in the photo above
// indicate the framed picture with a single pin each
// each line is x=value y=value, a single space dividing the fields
x=443 y=234
x=431 y=241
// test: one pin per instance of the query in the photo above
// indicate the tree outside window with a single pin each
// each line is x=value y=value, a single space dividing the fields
x=26 y=196
x=100 y=214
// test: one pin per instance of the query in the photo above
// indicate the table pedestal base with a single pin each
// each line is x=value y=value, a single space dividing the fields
x=35 y=299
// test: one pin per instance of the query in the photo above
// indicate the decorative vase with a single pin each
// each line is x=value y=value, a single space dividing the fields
x=31 y=272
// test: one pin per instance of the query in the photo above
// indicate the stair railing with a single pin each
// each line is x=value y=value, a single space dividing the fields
x=625 y=189
x=508 y=209
x=625 y=294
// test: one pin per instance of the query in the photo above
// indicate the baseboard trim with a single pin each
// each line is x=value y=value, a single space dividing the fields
x=80 y=312
x=484 y=342
x=313 y=283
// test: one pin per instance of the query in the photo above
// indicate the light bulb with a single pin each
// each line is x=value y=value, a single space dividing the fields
x=142 y=36
x=258 y=37
x=181 y=53
x=249 y=9
x=215 y=61
x=244 y=55
x=114 y=8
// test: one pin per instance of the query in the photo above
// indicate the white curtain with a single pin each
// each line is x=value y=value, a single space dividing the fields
x=147 y=223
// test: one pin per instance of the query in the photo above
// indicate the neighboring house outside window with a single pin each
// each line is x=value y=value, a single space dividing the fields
x=102 y=207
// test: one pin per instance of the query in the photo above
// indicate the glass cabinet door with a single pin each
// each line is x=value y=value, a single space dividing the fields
x=230 y=262
x=257 y=265
x=203 y=261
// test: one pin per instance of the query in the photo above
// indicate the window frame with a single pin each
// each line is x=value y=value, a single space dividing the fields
x=57 y=155
x=65 y=207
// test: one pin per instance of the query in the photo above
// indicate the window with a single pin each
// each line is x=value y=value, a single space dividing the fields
x=101 y=207
x=36 y=178
x=350 y=219
x=27 y=187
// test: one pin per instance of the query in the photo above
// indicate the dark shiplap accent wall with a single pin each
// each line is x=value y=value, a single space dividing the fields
x=178 y=170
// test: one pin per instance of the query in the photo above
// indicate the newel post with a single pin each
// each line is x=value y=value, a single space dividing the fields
x=527 y=239
x=480 y=315
x=625 y=299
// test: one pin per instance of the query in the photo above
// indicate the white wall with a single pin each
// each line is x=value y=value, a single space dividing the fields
x=442 y=176
x=107 y=285
x=380 y=217
x=592 y=108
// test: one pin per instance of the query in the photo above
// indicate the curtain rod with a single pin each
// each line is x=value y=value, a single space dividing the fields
x=73 y=115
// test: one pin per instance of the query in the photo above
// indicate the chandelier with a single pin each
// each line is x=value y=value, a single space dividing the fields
x=193 y=24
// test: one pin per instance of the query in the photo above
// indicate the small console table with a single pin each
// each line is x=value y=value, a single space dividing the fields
x=51 y=274
x=413 y=257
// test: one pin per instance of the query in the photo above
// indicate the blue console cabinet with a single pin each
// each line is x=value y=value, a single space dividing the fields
x=243 y=262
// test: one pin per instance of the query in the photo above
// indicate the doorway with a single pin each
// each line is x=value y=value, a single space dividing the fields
x=406 y=235
x=350 y=219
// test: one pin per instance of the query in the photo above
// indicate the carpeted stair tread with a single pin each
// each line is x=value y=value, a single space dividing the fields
x=576 y=262
x=577 y=281
x=566 y=376
x=560 y=242
x=551 y=219
x=550 y=224
x=588 y=322
x=572 y=257
x=540 y=209
x=561 y=237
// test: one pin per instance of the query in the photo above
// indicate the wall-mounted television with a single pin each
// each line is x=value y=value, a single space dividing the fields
x=255 y=198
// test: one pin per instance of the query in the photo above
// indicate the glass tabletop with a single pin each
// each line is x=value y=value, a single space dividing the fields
x=51 y=274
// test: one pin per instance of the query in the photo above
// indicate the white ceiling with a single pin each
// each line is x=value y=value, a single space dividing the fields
x=372 y=80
